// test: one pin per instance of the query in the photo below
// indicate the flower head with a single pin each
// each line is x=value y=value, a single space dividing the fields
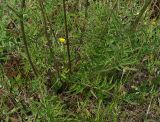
x=154 y=22
x=62 y=40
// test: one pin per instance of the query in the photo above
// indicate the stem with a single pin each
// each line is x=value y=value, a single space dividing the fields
x=45 y=18
x=25 y=41
x=45 y=27
x=67 y=39
x=134 y=24
x=86 y=8
x=83 y=30
x=52 y=30
x=14 y=11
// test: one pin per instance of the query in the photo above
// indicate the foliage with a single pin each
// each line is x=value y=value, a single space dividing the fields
x=112 y=73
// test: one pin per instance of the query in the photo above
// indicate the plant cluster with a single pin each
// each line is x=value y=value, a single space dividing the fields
x=79 y=60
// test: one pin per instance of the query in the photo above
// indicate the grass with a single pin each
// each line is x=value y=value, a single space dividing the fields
x=107 y=70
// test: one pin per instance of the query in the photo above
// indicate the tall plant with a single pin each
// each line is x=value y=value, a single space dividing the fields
x=67 y=38
x=20 y=15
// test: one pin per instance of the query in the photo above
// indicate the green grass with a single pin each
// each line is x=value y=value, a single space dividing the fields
x=115 y=69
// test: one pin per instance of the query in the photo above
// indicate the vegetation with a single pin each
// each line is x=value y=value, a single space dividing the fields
x=79 y=61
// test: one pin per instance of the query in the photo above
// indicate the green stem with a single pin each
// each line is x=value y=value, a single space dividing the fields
x=45 y=19
x=67 y=39
x=24 y=39
x=135 y=23
x=45 y=27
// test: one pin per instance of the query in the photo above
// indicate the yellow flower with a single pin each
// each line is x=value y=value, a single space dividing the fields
x=62 y=40
x=153 y=22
